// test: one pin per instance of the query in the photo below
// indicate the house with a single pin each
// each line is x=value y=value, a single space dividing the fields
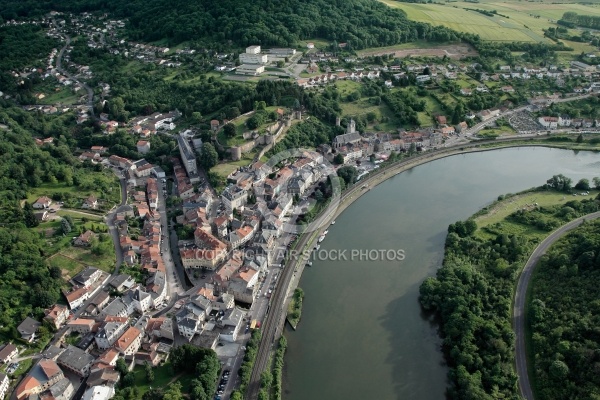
x=548 y=122
x=507 y=89
x=42 y=202
x=76 y=360
x=41 y=216
x=57 y=315
x=87 y=277
x=7 y=353
x=28 y=329
x=187 y=327
x=130 y=341
x=441 y=120
x=4 y=384
x=461 y=127
x=90 y=202
x=109 y=332
x=81 y=325
x=99 y=393
x=40 y=378
x=143 y=146
x=466 y=91
x=77 y=296
x=121 y=282
x=84 y=240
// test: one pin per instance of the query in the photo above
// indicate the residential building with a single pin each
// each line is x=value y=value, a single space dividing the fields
x=142 y=301
x=187 y=156
x=4 y=384
x=121 y=282
x=28 y=328
x=84 y=240
x=41 y=377
x=42 y=202
x=234 y=197
x=119 y=307
x=76 y=360
x=130 y=341
x=99 y=393
x=143 y=146
x=90 y=202
x=232 y=322
x=7 y=353
x=77 y=296
x=109 y=332
x=87 y=277
x=81 y=325
x=57 y=315
x=548 y=122
x=187 y=327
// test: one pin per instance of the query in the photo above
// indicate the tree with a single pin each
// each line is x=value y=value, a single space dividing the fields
x=208 y=156
x=196 y=117
x=229 y=130
x=65 y=226
x=579 y=138
x=121 y=366
x=583 y=184
x=149 y=372
x=173 y=392
x=154 y=394
x=348 y=174
x=596 y=181
x=28 y=216
x=338 y=159
x=560 y=183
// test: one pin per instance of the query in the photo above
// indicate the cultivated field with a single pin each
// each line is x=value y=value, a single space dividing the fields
x=456 y=51
x=525 y=22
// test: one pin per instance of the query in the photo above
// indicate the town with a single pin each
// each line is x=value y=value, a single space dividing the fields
x=200 y=249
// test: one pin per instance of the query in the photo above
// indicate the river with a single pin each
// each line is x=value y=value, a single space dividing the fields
x=362 y=333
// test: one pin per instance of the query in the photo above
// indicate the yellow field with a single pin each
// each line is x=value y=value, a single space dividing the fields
x=525 y=22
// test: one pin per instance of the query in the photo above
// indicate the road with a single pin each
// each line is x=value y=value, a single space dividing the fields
x=59 y=57
x=521 y=297
x=477 y=127
x=110 y=222
x=276 y=316
x=173 y=275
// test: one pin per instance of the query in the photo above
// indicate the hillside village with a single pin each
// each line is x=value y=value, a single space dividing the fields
x=197 y=264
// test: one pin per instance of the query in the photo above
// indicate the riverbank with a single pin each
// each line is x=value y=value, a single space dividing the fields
x=483 y=270
x=386 y=172
x=294 y=311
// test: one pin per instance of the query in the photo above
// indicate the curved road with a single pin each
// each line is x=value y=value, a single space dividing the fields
x=521 y=297
x=90 y=92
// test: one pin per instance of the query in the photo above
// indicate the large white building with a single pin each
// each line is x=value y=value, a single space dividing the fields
x=253 y=56
x=250 y=69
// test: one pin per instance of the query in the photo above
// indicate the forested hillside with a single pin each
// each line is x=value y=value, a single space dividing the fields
x=27 y=284
x=565 y=315
x=361 y=23
x=472 y=294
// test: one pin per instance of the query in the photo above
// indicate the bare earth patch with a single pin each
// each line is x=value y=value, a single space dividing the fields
x=455 y=51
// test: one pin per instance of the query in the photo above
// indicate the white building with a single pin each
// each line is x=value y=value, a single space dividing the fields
x=548 y=122
x=99 y=393
x=253 y=56
x=250 y=69
x=234 y=197
x=4 y=383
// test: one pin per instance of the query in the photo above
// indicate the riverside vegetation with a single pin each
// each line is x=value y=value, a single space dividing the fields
x=564 y=315
x=472 y=293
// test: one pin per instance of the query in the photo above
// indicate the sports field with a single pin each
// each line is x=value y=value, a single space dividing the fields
x=525 y=22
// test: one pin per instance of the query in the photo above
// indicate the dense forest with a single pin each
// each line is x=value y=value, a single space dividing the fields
x=565 y=315
x=572 y=19
x=472 y=295
x=27 y=284
x=360 y=23
x=21 y=46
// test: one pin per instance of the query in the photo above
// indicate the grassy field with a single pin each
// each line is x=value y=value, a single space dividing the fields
x=163 y=376
x=227 y=168
x=363 y=106
x=525 y=21
x=64 y=96
x=499 y=211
